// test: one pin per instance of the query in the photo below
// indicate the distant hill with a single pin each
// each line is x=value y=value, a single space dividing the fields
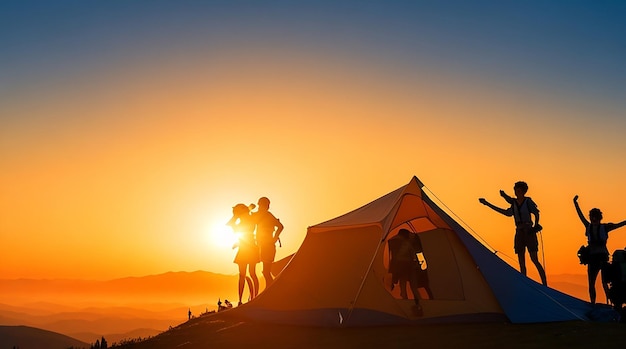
x=117 y=309
x=26 y=337
x=177 y=287
x=572 y=284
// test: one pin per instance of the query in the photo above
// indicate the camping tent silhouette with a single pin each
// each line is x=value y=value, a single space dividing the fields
x=339 y=276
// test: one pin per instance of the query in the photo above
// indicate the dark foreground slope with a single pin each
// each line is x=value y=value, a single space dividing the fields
x=224 y=330
x=25 y=337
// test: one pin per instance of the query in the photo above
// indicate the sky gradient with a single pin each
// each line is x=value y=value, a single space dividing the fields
x=128 y=130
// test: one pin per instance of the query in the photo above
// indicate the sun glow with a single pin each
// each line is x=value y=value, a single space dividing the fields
x=222 y=235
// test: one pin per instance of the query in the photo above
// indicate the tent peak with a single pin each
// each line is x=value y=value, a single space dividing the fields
x=417 y=180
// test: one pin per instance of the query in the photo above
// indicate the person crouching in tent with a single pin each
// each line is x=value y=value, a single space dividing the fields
x=403 y=266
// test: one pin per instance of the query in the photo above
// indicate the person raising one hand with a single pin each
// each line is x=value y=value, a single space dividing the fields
x=522 y=207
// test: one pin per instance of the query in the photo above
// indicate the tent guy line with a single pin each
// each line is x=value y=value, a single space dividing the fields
x=474 y=233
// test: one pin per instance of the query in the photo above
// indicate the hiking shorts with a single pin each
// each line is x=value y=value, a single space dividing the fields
x=525 y=238
x=267 y=251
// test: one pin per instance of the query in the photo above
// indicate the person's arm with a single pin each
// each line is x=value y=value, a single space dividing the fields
x=495 y=208
x=232 y=222
x=580 y=212
x=279 y=229
x=619 y=225
x=534 y=210
x=506 y=197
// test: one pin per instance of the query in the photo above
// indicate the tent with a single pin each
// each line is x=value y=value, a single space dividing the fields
x=340 y=274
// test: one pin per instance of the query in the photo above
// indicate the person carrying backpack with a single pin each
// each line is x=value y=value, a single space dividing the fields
x=597 y=235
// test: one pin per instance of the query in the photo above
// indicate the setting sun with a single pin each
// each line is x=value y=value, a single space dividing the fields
x=221 y=235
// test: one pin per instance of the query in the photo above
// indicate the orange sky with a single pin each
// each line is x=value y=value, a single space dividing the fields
x=130 y=169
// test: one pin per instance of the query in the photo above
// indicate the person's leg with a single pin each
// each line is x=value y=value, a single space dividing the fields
x=414 y=287
x=521 y=257
x=255 y=279
x=605 y=281
x=267 y=273
x=268 y=253
x=542 y=273
x=402 y=283
x=417 y=309
x=394 y=280
x=422 y=281
x=520 y=249
x=242 y=280
x=592 y=273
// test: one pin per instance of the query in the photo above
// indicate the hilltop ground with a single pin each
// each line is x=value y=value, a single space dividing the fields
x=224 y=330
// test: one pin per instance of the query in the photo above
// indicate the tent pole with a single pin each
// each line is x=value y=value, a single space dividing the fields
x=358 y=293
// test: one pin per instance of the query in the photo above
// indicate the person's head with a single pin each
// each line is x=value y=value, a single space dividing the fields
x=520 y=188
x=595 y=215
x=264 y=203
x=405 y=233
x=240 y=209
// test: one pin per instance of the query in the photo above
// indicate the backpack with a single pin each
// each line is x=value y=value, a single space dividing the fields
x=583 y=254
x=619 y=264
x=517 y=216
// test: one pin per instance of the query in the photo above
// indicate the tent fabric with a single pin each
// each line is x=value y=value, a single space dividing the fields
x=279 y=265
x=340 y=274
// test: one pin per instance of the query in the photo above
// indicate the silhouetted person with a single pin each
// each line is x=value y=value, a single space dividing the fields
x=422 y=274
x=597 y=235
x=189 y=314
x=522 y=207
x=268 y=229
x=403 y=265
x=248 y=252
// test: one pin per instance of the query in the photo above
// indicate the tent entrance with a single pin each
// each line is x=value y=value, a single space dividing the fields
x=435 y=266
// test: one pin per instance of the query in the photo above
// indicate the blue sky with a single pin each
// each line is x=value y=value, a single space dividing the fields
x=576 y=46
